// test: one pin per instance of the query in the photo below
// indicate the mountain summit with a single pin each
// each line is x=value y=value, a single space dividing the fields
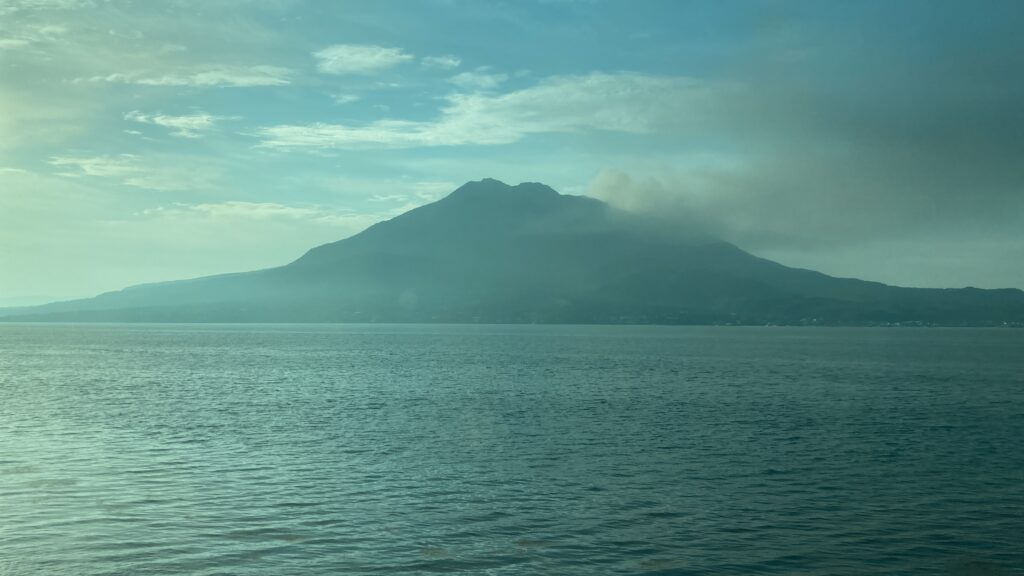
x=490 y=252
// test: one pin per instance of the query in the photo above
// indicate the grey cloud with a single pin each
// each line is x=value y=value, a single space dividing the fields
x=834 y=146
x=824 y=149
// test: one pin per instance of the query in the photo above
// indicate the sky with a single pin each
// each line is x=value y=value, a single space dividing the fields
x=151 y=141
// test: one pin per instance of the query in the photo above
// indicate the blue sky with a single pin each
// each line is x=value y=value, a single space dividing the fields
x=148 y=141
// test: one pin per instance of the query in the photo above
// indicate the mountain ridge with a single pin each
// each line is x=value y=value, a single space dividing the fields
x=490 y=252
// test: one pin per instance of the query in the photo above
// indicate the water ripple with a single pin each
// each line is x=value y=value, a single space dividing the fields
x=509 y=450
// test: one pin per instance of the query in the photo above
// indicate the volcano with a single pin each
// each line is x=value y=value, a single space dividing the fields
x=495 y=253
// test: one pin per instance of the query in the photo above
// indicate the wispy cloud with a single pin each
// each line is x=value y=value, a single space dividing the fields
x=478 y=80
x=132 y=170
x=447 y=62
x=345 y=98
x=358 y=58
x=12 y=6
x=30 y=35
x=207 y=76
x=627 y=103
x=98 y=166
x=186 y=126
x=376 y=189
x=237 y=209
x=388 y=198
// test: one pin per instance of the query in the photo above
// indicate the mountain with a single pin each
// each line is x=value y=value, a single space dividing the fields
x=490 y=252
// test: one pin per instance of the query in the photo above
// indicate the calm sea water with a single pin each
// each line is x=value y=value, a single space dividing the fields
x=309 y=450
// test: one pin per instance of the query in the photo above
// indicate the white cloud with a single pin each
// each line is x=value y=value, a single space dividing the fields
x=346 y=98
x=30 y=35
x=370 y=188
x=626 y=103
x=478 y=80
x=388 y=198
x=431 y=190
x=99 y=166
x=358 y=58
x=208 y=76
x=447 y=62
x=186 y=126
x=164 y=181
x=13 y=43
x=243 y=210
x=408 y=195
x=131 y=170
x=173 y=48
x=12 y=6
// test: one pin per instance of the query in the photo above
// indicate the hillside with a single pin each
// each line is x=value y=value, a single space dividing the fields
x=490 y=252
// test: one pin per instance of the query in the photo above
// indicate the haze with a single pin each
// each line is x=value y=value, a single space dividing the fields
x=142 y=142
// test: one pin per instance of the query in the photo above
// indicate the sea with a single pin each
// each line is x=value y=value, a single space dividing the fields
x=138 y=449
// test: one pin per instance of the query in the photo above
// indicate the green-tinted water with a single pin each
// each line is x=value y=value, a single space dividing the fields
x=311 y=450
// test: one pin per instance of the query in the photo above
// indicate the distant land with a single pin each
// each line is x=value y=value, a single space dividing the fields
x=494 y=253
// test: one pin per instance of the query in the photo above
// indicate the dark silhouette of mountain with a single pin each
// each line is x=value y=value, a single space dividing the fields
x=490 y=252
